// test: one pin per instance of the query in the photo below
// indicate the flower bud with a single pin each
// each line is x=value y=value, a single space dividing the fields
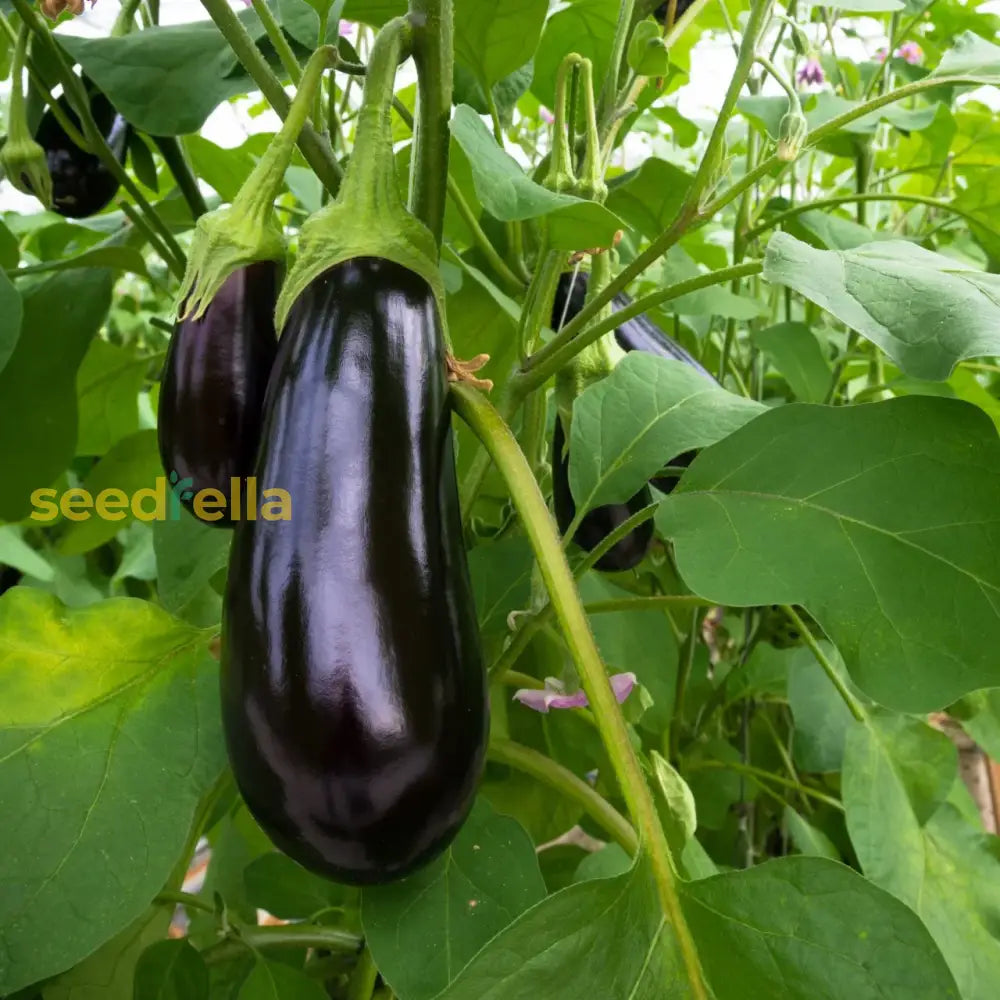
x=792 y=134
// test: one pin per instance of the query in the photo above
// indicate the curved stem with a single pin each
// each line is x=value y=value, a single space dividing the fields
x=574 y=337
x=855 y=706
x=174 y=897
x=433 y=52
x=173 y=155
x=283 y=936
x=484 y=420
x=482 y=241
x=152 y=237
x=315 y=148
x=567 y=784
x=277 y=38
x=846 y=199
x=760 y=775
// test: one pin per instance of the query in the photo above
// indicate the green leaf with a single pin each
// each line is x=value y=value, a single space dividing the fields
x=61 y=317
x=501 y=581
x=800 y=928
x=110 y=737
x=188 y=554
x=979 y=714
x=108 y=973
x=648 y=54
x=300 y=18
x=375 y=12
x=794 y=350
x=649 y=198
x=286 y=890
x=509 y=195
x=649 y=410
x=165 y=81
x=495 y=39
x=678 y=813
x=107 y=385
x=11 y=311
x=422 y=930
x=171 y=970
x=17 y=553
x=882 y=520
x=116 y=258
x=808 y=840
x=830 y=231
x=867 y=6
x=925 y=310
x=276 y=981
x=971 y=55
x=821 y=717
x=896 y=772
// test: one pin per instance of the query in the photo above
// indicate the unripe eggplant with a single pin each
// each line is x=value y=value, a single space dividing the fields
x=214 y=383
x=353 y=689
x=81 y=184
x=598 y=523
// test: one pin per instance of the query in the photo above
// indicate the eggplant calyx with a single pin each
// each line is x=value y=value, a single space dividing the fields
x=23 y=161
x=465 y=371
x=368 y=217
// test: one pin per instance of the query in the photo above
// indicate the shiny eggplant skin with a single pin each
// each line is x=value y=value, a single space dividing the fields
x=214 y=383
x=81 y=184
x=354 y=696
x=598 y=523
x=666 y=484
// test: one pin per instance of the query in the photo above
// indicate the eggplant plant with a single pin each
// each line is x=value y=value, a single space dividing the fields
x=602 y=402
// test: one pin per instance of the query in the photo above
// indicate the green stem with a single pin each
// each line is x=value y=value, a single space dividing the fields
x=567 y=784
x=482 y=241
x=484 y=420
x=562 y=167
x=683 y=676
x=315 y=148
x=284 y=936
x=174 y=897
x=609 y=93
x=141 y=223
x=362 y=982
x=846 y=199
x=433 y=51
x=575 y=336
x=125 y=21
x=173 y=155
x=779 y=78
x=761 y=776
x=277 y=38
x=855 y=706
x=16 y=109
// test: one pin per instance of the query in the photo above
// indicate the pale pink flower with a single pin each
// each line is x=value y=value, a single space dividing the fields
x=553 y=695
x=911 y=52
x=546 y=115
x=810 y=72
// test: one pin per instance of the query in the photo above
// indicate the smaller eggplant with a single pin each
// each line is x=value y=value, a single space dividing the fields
x=598 y=523
x=9 y=578
x=214 y=382
x=666 y=484
x=81 y=184
x=663 y=11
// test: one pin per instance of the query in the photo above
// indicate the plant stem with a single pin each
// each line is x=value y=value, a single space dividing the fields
x=315 y=148
x=142 y=224
x=683 y=676
x=284 y=936
x=567 y=784
x=277 y=38
x=484 y=420
x=173 y=155
x=362 y=982
x=174 y=897
x=761 y=776
x=609 y=94
x=570 y=340
x=855 y=706
x=433 y=52
x=512 y=282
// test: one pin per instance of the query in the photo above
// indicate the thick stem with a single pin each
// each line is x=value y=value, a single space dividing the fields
x=315 y=148
x=567 y=784
x=125 y=21
x=278 y=40
x=484 y=420
x=609 y=92
x=284 y=936
x=433 y=50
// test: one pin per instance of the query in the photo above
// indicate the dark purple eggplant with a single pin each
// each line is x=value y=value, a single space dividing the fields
x=214 y=383
x=353 y=690
x=81 y=184
x=663 y=11
x=9 y=578
x=598 y=523
x=667 y=483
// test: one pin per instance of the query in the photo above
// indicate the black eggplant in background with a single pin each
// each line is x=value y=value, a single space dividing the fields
x=353 y=689
x=663 y=10
x=214 y=384
x=598 y=523
x=81 y=184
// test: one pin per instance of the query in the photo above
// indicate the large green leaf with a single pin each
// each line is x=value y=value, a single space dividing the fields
x=798 y=928
x=794 y=350
x=422 y=930
x=970 y=55
x=648 y=411
x=286 y=890
x=107 y=385
x=171 y=970
x=650 y=197
x=509 y=195
x=165 y=81
x=495 y=37
x=277 y=981
x=188 y=554
x=10 y=318
x=109 y=737
x=37 y=387
x=883 y=520
x=896 y=775
x=925 y=310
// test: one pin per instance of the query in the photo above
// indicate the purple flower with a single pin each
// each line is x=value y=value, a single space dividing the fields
x=811 y=72
x=553 y=695
x=881 y=54
x=346 y=29
x=911 y=52
x=546 y=115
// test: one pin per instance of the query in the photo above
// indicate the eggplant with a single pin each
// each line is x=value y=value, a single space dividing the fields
x=212 y=393
x=9 y=578
x=666 y=484
x=598 y=523
x=663 y=10
x=81 y=184
x=354 y=696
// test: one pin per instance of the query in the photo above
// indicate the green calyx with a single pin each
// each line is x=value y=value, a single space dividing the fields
x=23 y=159
x=592 y=185
x=562 y=171
x=368 y=217
x=792 y=134
x=246 y=232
